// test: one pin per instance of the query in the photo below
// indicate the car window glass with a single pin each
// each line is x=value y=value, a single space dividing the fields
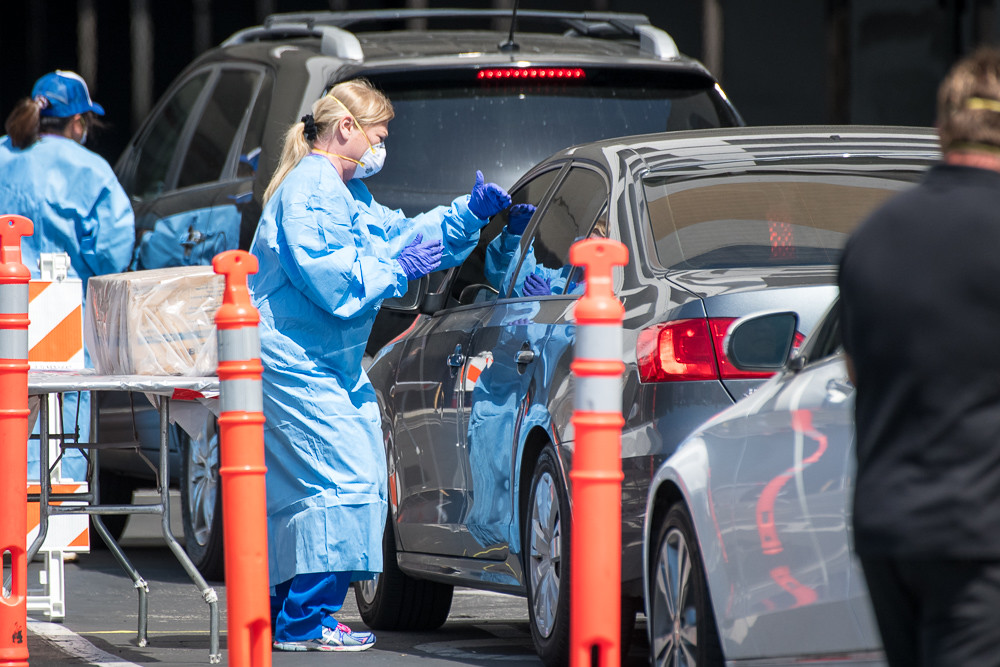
x=254 y=137
x=569 y=216
x=827 y=338
x=488 y=263
x=219 y=123
x=507 y=126
x=599 y=230
x=157 y=147
x=761 y=219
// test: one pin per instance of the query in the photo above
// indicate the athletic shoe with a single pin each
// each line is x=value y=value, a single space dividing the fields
x=339 y=639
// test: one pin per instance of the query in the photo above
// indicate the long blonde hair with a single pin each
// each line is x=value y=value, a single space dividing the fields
x=357 y=98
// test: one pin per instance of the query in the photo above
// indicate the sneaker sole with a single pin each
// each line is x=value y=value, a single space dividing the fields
x=298 y=646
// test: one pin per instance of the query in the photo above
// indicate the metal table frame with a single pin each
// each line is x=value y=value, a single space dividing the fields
x=160 y=389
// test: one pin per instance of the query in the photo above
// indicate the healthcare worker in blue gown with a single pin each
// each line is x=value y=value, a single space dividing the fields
x=329 y=254
x=75 y=202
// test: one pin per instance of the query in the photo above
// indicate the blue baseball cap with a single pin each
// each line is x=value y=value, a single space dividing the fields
x=66 y=95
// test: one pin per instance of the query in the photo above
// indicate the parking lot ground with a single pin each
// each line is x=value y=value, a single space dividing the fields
x=100 y=627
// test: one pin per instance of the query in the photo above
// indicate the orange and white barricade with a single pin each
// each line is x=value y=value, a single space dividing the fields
x=55 y=342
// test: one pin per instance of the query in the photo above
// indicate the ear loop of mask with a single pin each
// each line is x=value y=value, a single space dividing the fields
x=356 y=123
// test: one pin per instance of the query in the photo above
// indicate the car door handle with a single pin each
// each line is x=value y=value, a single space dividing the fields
x=524 y=357
x=456 y=358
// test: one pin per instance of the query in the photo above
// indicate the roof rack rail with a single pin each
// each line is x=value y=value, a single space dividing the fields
x=334 y=41
x=652 y=40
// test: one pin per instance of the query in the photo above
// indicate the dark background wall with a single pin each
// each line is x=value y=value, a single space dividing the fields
x=780 y=61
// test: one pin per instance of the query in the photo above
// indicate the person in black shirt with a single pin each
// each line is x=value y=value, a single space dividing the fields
x=920 y=292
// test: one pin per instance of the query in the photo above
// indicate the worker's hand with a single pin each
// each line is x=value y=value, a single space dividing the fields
x=487 y=199
x=518 y=218
x=420 y=258
x=535 y=285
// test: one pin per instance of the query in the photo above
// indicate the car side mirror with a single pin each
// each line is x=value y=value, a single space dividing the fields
x=761 y=342
x=409 y=302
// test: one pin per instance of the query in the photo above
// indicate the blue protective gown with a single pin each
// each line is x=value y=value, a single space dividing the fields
x=502 y=255
x=78 y=207
x=326 y=251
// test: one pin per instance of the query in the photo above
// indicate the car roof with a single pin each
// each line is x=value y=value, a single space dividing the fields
x=380 y=37
x=760 y=145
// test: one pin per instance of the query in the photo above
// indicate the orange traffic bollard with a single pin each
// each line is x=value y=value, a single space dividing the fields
x=14 y=277
x=595 y=573
x=241 y=457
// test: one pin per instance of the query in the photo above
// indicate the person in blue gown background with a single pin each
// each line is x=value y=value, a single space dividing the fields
x=76 y=204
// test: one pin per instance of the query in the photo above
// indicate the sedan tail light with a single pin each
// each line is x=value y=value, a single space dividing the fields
x=692 y=349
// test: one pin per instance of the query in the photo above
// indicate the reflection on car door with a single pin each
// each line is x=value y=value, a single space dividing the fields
x=525 y=339
x=190 y=174
x=432 y=469
x=790 y=511
x=436 y=375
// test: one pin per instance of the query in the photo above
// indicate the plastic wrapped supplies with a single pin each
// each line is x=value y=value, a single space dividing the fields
x=157 y=322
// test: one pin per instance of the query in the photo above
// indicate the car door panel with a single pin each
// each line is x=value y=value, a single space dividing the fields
x=789 y=505
x=432 y=472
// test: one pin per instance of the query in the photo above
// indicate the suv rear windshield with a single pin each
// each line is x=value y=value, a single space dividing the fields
x=446 y=129
x=762 y=220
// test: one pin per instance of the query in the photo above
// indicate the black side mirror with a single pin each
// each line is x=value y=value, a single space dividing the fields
x=410 y=301
x=761 y=342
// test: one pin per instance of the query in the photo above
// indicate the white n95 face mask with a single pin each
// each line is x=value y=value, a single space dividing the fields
x=371 y=162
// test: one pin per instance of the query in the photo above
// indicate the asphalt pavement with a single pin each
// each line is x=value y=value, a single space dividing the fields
x=100 y=626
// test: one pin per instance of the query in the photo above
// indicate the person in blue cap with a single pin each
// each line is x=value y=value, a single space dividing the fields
x=74 y=200
x=329 y=254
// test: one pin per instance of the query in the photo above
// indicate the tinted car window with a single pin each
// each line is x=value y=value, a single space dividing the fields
x=157 y=147
x=473 y=271
x=761 y=220
x=568 y=217
x=505 y=128
x=254 y=137
x=219 y=123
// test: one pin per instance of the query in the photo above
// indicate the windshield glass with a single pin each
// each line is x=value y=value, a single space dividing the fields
x=758 y=220
x=443 y=132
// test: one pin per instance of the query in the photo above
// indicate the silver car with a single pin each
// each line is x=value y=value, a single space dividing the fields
x=748 y=533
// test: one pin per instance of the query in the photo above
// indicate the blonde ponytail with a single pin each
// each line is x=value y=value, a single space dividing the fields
x=294 y=148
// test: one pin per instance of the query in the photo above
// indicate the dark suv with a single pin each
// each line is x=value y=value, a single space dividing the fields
x=470 y=92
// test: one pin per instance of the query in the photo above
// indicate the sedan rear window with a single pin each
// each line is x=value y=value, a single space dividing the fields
x=447 y=129
x=759 y=220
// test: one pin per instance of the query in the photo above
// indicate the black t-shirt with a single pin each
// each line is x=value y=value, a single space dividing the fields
x=920 y=297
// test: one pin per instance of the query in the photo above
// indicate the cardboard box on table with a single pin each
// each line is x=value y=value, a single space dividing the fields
x=157 y=322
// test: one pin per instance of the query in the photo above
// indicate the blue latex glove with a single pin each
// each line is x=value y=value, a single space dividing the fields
x=520 y=214
x=419 y=258
x=487 y=199
x=535 y=285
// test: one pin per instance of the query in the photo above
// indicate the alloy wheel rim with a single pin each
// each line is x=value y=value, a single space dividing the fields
x=367 y=588
x=675 y=619
x=203 y=485
x=545 y=554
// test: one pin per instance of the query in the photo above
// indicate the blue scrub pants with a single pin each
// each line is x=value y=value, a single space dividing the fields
x=302 y=605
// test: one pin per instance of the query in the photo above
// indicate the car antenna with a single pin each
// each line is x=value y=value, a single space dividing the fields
x=510 y=45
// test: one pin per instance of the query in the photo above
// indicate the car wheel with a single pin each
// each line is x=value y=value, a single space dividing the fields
x=546 y=552
x=201 y=502
x=114 y=490
x=397 y=601
x=682 y=623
